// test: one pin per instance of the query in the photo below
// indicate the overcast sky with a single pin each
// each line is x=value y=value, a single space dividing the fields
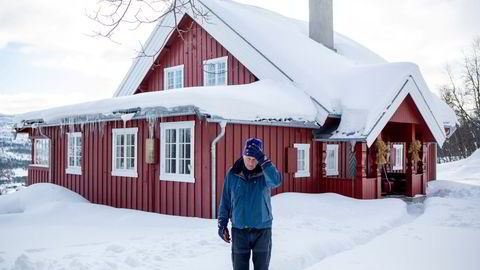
x=48 y=58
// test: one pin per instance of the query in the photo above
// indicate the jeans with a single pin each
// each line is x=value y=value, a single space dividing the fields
x=257 y=241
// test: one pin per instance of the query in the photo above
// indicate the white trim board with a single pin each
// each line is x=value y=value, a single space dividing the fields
x=410 y=87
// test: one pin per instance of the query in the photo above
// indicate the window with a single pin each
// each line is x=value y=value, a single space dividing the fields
x=215 y=71
x=124 y=148
x=74 y=153
x=177 y=160
x=332 y=159
x=173 y=77
x=303 y=160
x=42 y=152
x=398 y=162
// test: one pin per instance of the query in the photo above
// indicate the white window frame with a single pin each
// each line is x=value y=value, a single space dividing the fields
x=172 y=69
x=36 y=151
x=215 y=61
x=124 y=172
x=177 y=177
x=306 y=148
x=74 y=169
x=398 y=162
x=330 y=148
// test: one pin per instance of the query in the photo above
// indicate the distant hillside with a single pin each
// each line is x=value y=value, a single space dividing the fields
x=14 y=154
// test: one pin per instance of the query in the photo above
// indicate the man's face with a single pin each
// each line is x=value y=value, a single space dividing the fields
x=250 y=162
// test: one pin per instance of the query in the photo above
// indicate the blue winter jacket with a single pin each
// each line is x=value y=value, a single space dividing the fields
x=247 y=201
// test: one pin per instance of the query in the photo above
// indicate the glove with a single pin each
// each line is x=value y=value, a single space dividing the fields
x=223 y=230
x=254 y=151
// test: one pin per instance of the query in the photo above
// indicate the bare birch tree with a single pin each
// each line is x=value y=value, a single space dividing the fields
x=462 y=93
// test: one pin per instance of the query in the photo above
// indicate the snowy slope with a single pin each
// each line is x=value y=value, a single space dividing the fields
x=14 y=154
x=465 y=170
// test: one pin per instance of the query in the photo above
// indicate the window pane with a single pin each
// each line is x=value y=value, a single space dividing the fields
x=173 y=150
x=168 y=165
x=188 y=135
x=182 y=151
x=130 y=163
x=188 y=166
x=181 y=134
x=173 y=167
x=129 y=152
x=119 y=163
x=187 y=150
x=331 y=159
x=221 y=73
x=181 y=164
x=118 y=152
x=211 y=74
x=170 y=80
x=178 y=78
x=171 y=135
x=132 y=151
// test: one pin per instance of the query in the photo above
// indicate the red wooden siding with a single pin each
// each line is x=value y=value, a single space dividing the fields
x=431 y=161
x=341 y=183
x=190 y=50
x=276 y=141
x=147 y=192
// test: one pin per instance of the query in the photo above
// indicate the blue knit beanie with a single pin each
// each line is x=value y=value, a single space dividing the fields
x=251 y=141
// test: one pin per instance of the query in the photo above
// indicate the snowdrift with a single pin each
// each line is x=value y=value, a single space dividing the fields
x=465 y=170
x=37 y=195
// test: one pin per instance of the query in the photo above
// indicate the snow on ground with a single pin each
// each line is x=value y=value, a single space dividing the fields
x=446 y=236
x=48 y=227
x=464 y=171
x=63 y=231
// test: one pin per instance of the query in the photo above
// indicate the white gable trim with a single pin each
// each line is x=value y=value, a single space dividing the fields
x=141 y=65
x=410 y=87
x=223 y=33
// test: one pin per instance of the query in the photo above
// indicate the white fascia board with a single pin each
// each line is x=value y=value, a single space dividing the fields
x=410 y=87
x=141 y=65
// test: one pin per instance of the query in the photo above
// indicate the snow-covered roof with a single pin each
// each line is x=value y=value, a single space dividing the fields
x=310 y=80
x=352 y=82
x=233 y=102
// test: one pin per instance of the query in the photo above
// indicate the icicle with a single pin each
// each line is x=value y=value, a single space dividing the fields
x=127 y=117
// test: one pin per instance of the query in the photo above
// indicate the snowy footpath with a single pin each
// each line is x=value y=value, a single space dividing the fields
x=48 y=227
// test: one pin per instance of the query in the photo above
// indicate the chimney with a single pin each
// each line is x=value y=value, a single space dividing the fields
x=321 y=22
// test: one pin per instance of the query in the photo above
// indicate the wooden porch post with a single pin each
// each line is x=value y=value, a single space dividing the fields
x=410 y=168
x=377 y=171
x=361 y=157
x=423 y=167
x=323 y=167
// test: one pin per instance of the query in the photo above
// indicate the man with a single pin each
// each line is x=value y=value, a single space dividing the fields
x=246 y=200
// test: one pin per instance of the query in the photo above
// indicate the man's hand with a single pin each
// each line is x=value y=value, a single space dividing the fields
x=254 y=151
x=223 y=230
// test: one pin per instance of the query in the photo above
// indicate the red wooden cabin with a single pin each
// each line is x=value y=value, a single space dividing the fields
x=125 y=158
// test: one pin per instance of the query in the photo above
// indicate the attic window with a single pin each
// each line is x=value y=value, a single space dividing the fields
x=173 y=77
x=215 y=71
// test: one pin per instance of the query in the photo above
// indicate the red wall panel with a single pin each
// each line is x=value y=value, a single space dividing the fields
x=190 y=50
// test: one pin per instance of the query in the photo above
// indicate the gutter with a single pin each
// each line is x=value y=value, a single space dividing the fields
x=223 y=124
x=293 y=124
